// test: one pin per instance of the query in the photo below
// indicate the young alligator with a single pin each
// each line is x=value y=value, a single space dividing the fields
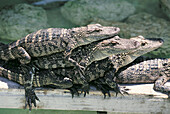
x=87 y=54
x=122 y=59
x=103 y=48
x=149 y=71
x=15 y=72
x=118 y=60
x=45 y=77
x=52 y=40
x=90 y=53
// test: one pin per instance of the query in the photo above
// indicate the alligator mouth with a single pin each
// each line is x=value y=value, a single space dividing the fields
x=108 y=37
x=156 y=39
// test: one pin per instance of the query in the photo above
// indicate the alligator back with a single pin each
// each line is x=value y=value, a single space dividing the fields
x=145 y=72
x=52 y=40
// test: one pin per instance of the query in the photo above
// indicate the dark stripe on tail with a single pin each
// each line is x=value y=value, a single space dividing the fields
x=11 y=75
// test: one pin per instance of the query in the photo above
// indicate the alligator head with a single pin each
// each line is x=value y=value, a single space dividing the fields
x=115 y=45
x=145 y=45
x=93 y=32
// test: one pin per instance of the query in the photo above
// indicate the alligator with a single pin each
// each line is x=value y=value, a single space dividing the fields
x=102 y=48
x=118 y=60
x=52 y=40
x=100 y=68
x=22 y=74
x=48 y=77
x=149 y=71
x=155 y=71
x=87 y=54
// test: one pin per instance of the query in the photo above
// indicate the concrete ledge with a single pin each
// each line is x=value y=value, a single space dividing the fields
x=142 y=99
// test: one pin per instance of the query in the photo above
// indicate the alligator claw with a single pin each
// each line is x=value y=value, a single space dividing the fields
x=73 y=91
x=120 y=90
x=31 y=98
x=85 y=88
x=104 y=89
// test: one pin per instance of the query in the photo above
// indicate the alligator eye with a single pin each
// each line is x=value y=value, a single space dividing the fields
x=113 y=43
x=143 y=44
x=93 y=31
x=97 y=30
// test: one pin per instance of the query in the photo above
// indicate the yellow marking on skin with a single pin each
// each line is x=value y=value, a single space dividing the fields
x=3 y=55
x=38 y=82
x=34 y=83
x=39 y=39
x=26 y=38
x=10 y=53
x=9 y=75
x=20 y=79
x=17 y=42
x=38 y=32
x=50 y=33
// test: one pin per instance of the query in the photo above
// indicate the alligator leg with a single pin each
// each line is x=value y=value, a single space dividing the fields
x=80 y=69
x=159 y=84
x=29 y=91
x=54 y=79
x=100 y=85
x=67 y=54
x=81 y=80
x=74 y=90
x=21 y=53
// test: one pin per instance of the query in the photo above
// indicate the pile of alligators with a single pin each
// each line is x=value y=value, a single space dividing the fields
x=79 y=57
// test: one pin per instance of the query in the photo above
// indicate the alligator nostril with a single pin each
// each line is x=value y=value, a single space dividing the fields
x=116 y=29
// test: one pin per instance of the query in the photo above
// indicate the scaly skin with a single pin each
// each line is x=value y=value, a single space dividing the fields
x=151 y=71
x=117 y=60
x=13 y=71
x=122 y=59
x=123 y=49
x=25 y=74
x=138 y=46
x=87 y=54
x=95 y=70
x=53 y=40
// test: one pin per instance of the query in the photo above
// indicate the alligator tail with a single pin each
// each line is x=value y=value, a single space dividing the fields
x=11 y=75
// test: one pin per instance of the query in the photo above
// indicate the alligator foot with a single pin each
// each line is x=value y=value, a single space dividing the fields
x=85 y=89
x=82 y=80
x=101 y=86
x=73 y=91
x=31 y=97
x=104 y=89
x=120 y=90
